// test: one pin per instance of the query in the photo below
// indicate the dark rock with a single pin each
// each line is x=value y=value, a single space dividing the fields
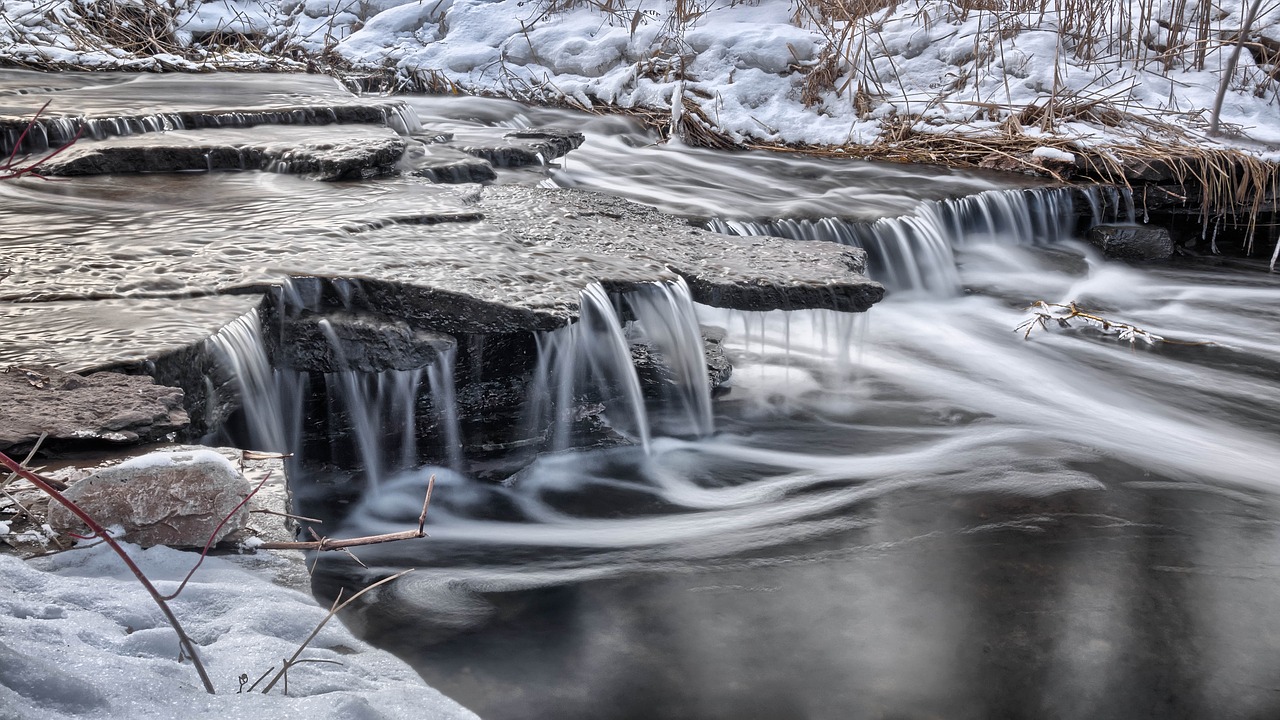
x=441 y=163
x=1132 y=242
x=80 y=410
x=655 y=372
x=176 y=499
x=365 y=342
x=718 y=366
x=533 y=146
x=337 y=152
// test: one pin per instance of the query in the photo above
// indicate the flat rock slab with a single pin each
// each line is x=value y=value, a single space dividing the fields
x=442 y=163
x=332 y=152
x=176 y=499
x=82 y=410
x=445 y=258
x=744 y=273
x=154 y=103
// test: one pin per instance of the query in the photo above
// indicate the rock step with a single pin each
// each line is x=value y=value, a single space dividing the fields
x=147 y=104
x=332 y=152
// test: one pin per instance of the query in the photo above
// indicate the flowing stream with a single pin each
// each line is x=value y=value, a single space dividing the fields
x=915 y=512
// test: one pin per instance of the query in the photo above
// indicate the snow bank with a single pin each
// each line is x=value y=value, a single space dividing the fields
x=1101 y=71
x=79 y=637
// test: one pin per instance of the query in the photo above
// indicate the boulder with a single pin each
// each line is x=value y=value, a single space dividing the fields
x=175 y=499
x=75 y=409
x=1132 y=242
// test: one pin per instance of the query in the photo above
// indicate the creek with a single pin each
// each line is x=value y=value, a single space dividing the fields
x=912 y=512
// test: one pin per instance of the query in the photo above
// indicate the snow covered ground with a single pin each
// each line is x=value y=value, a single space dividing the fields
x=827 y=72
x=80 y=638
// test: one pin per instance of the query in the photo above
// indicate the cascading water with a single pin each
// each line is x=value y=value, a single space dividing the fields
x=916 y=253
x=380 y=413
x=666 y=319
x=440 y=376
x=590 y=357
x=238 y=347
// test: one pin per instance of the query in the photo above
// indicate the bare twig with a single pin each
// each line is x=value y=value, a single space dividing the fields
x=212 y=536
x=326 y=544
x=1043 y=313
x=338 y=606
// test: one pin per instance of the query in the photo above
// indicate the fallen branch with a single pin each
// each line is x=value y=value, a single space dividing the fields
x=326 y=544
x=1043 y=313
x=188 y=646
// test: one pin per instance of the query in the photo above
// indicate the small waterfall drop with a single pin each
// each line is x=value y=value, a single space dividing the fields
x=916 y=253
x=590 y=358
x=238 y=347
x=445 y=401
x=666 y=319
x=380 y=411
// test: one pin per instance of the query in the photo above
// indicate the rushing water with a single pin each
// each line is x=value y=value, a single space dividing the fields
x=914 y=513
x=911 y=513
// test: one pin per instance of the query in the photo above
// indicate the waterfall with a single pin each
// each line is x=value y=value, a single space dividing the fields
x=379 y=409
x=238 y=348
x=445 y=401
x=916 y=253
x=666 y=319
x=589 y=358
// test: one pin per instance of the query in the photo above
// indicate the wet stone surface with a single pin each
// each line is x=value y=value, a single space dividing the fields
x=122 y=104
x=332 y=152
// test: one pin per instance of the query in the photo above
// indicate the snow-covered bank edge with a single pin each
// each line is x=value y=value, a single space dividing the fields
x=82 y=638
x=1113 y=91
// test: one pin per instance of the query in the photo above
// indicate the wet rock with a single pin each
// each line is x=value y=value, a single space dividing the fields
x=364 y=342
x=656 y=375
x=81 y=410
x=718 y=366
x=448 y=165
x=176 y=499
x=337 y=152
x=631 y=241
x=533 y=146
x=228 y=100
x=1132 y=242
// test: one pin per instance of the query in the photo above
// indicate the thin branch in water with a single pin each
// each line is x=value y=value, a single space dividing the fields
x=1043 y=313
x=327 y=544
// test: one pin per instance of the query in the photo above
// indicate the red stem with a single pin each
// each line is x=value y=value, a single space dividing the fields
x=30 y=124
x=188 y=646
